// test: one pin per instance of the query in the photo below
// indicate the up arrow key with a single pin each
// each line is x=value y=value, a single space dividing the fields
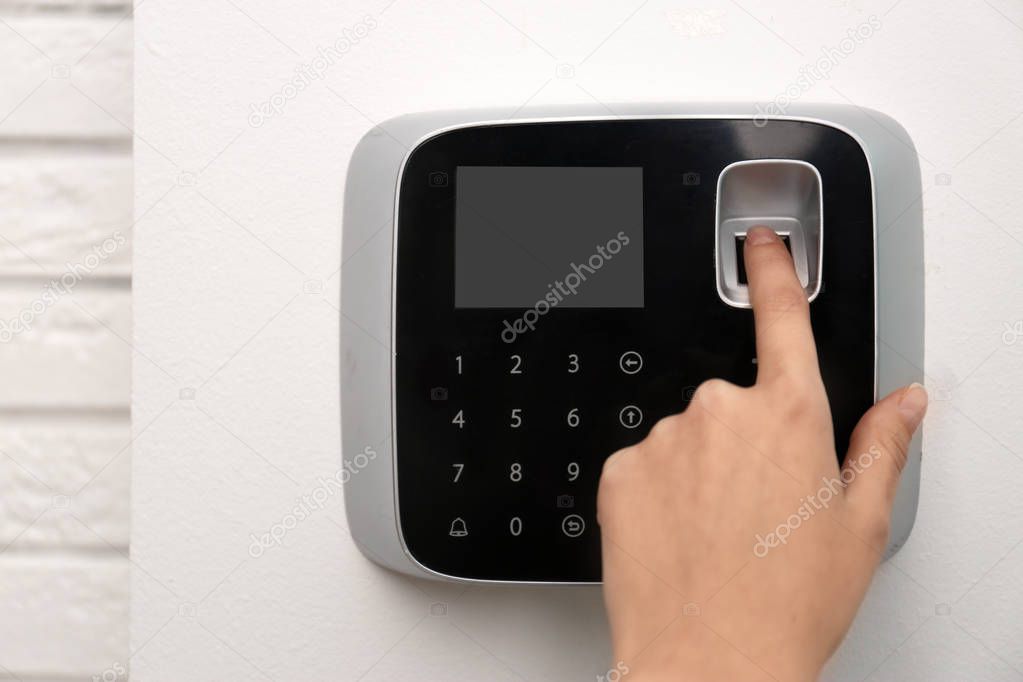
x=630 y=416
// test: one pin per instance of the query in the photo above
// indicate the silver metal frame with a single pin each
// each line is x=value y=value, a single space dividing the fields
x=368 y=281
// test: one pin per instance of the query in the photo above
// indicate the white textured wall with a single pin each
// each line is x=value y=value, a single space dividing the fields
x=236 y=277
x=65 y=188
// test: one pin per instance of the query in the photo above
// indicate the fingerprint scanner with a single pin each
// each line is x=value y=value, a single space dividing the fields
x=782 y=194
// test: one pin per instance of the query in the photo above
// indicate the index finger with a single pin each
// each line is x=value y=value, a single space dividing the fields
x=781 y=313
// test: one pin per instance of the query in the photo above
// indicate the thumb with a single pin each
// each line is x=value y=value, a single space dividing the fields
x=877 y=456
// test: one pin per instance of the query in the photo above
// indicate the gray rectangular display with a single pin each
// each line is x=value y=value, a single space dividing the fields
x=565 y=236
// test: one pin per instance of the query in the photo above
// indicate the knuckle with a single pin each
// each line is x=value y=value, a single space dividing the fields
x=799 y=392
x=613 y=470
x=665 y=428
x=712 y=393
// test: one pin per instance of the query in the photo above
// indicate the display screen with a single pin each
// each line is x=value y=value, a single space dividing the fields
x=562 y=236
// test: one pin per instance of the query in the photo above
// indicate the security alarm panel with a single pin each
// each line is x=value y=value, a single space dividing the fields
x=521 y=298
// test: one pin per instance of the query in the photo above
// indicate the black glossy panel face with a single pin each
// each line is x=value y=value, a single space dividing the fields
x=500 y=435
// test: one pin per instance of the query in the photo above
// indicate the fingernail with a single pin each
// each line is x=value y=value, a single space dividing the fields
x=913 y=405
x=760 y=234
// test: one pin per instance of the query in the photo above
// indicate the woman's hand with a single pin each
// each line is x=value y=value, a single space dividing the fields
x=733 y=547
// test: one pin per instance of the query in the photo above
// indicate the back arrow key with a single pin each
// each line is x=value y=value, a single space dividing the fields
x=630 y=362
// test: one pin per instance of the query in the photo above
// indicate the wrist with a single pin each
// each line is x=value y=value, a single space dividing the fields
x=693 y=652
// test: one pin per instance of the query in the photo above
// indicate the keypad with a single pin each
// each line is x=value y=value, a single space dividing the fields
x=520 y=439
